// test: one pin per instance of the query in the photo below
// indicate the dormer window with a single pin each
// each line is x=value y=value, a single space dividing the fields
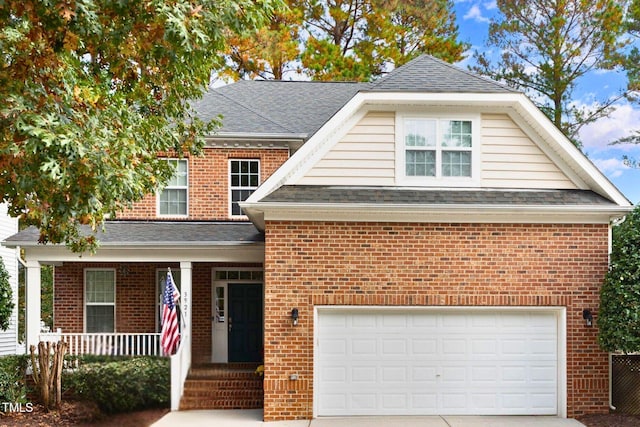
x=436 y=150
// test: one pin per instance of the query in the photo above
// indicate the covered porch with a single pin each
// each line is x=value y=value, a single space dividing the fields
x=109 y=303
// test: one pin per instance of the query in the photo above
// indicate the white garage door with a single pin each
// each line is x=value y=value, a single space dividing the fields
x=408 y=362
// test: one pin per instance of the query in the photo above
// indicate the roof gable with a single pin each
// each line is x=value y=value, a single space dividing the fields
x=428 y=74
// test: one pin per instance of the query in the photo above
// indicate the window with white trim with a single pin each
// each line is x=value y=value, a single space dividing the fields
x=434 y=150
x=100 y=300
x=173 y=199
x=244 y=179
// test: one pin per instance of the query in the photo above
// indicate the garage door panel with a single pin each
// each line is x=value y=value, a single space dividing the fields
x=436 y=362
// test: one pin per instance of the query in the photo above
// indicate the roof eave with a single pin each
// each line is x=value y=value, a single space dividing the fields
x=168 y=244
x=445 y=213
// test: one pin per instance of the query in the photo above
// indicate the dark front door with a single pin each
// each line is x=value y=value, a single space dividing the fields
x=245 y=322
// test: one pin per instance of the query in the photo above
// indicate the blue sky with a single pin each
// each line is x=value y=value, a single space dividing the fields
x=473 y=20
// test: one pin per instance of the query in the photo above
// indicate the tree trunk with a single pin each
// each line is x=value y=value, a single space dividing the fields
x=47 y=371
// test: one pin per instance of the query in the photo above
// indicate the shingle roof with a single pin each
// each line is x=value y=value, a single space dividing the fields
x=405 y=196
x=158 y=233
x=302 y=107
x=428 y=74
x=284 y=107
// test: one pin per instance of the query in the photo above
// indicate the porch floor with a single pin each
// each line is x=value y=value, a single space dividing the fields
x=223 y=386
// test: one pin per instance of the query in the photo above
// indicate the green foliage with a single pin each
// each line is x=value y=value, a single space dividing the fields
x=6 y=298
x=92 y=91
x=353 y=40
x=619 y=314
x=122 y=385
x=12 y=379
x=547 y=46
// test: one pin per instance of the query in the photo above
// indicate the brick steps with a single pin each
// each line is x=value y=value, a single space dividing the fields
x=218 y=386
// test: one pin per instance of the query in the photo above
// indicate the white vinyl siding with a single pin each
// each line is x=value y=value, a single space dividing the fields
x=503 y=154
x=372 y=361
x=8 y=227
x=510 y=159
x=364 y=156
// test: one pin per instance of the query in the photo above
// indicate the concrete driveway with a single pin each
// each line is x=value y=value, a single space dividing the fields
x=253 y=418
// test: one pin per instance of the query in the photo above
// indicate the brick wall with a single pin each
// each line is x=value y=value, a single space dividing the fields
x=136 y=299
x=336 y=263
x=209 y=182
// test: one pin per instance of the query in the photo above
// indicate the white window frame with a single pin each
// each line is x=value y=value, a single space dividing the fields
x=86 y=303
x=175 y=187
x=438 y=179
x=241 y=187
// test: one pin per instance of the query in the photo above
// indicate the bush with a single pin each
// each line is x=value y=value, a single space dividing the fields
x=12 y=379
x=123 y=385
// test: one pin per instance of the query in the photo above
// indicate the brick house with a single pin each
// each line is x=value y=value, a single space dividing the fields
x=425 y=244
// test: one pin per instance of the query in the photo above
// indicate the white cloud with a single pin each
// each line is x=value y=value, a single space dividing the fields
x=475 y=14
x=611 y=167
x=623 y=121
x=491 y=5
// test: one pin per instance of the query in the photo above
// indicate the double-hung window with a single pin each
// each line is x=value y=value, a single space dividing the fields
x=100 y=300
x=173 y=199
x=435 y=150
x=244 y=178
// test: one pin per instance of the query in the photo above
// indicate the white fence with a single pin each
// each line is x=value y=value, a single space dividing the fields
x=111 y=344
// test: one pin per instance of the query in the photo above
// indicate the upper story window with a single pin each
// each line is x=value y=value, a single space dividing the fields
x=100 y=300
x=173 y=198
x=244 y=178
x=437 y=150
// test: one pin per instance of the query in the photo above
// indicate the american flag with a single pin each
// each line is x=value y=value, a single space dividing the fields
x=170 y=336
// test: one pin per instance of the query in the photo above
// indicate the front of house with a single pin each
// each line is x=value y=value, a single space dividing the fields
x=425 y=244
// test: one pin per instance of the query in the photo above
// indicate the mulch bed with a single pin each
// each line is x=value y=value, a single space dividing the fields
x=79 y=414
x=610 y=420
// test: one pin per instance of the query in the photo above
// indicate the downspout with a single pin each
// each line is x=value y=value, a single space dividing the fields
x=614 y=222
x=20 y=260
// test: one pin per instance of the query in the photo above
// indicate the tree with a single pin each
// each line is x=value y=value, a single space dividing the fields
x=268 y=52
x=631 y=64
x=547 y=46
x=92 y=91
x=619 y=314
x=367 y=36
x=353 y=40
x=6 y=298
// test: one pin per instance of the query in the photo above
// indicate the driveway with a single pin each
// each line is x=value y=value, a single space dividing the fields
x=253 y=418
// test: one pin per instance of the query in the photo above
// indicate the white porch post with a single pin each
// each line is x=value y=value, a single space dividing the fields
x=185 y=301
x=33 y=304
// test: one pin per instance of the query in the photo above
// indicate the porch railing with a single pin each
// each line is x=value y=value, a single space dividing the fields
x=110 y=344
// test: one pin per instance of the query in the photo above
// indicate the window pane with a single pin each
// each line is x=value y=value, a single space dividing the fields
x=173 y=198
x=238 y=196
x=100 y=287
x=420 y=133
x=100 y=318
x=173 y=202
x=245 y=178
x=421 y=163
x=456 y=163
x=456 y=133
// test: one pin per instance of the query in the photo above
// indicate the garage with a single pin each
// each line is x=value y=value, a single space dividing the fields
x=374 y=361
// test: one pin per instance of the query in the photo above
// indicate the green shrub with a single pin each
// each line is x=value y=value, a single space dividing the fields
x=123 y=385
x=12 y=379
